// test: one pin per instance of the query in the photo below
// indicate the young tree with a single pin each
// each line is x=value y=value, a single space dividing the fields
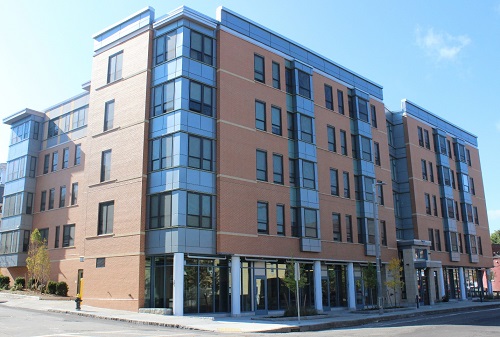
x=370 y=280
x=394 y=282
x=38 y=261
x=495 y=237
x=289 y=279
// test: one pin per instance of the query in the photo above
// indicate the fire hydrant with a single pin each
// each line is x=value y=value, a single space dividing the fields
x=78 y=300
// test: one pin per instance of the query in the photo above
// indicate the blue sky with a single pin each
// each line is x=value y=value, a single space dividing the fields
x=442 y=55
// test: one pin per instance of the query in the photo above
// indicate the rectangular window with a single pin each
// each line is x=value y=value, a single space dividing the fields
x=105 y=165
x=366 y=149
x=343 y=142
x=347 y=188
x=65 y=122
x=160 y=210
x=292 y=172
x=479 y=245
x=294 y=220
x=376 y=148
x=373 y=112
x=452 y=175
x=370 y=225
x=340 y=101
x=199 y=210
x=448 y=147
x=276 y=76
x=328 y=97
x=420 y=136
x=29 y=203
x=467 y=153
x=431 y=238
x=334 y=182
x=472 y=187
x=311 y=223
x=79 y=118
x=260 y=116
x=52 y=196
x=290 y=117
x=348 y=228
x=78 y=154
x=457 y=211
x=199 y=153
x=438 y=240
x=65 y=160
x=304 y=84
x=200 y=98
x=476 y=216
x=383 y=233
x=44 y=234
x=308 y=174
x=390 y=133
x=53 y=128
x=446 y=176
x=278 y=169
x=100 y=262
x=306 y=129
x=332 y=141
x=42 y=201
x=424 y=169
x=460 y=245
x=289 y=81
x=201 y=48
x=109 y=112
x=473 y=244
x=276 y=120
x=363 y=110
x=394 y=169
x=106 y=217
x=163 y=98
x=115 y=67
x=74 y=194
x=160 y=156
x=354 y=146
x=431 y=172
x=427 y=140
x=262 y=218
x=165 y=47
x=434 y=205
x=361 y=230
x=380 y=194
x=261 y=160
x=46 y=162
x=68 y=236
x=56 y=239
x=337 y=231
x=55 y=159
x=428 y=204
x=62 y=196
x=280 y=219
x=258 y=68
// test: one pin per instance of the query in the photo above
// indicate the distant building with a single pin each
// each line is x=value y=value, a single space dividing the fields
x=204 y=155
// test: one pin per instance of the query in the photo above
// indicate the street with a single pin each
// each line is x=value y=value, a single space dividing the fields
x=23 y=322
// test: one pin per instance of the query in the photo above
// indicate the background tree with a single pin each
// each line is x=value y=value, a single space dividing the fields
x=370 y=281
x=394 y=268
x=38 y=261
x=495 y=237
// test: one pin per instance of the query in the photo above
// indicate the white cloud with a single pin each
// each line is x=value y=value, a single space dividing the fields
x=441 y=45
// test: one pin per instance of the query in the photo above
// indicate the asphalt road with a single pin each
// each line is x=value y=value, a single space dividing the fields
x=27 y=323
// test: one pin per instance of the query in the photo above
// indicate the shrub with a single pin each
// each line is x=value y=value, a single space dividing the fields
x=31 y=283
x=62 y=289
x=20 y=282
x=52 y=287
x=4 y=282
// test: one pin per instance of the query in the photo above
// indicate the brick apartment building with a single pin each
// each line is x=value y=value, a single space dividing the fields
x=205 y=154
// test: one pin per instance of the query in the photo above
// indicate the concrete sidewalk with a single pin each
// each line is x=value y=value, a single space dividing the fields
x=337 y=318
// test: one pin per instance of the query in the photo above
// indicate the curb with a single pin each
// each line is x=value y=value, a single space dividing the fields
x=126 y=320
x=302 y=328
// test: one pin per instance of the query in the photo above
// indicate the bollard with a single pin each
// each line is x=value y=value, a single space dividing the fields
x=78 y=300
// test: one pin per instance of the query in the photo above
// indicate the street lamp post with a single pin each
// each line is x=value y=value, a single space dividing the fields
x=377 y=247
